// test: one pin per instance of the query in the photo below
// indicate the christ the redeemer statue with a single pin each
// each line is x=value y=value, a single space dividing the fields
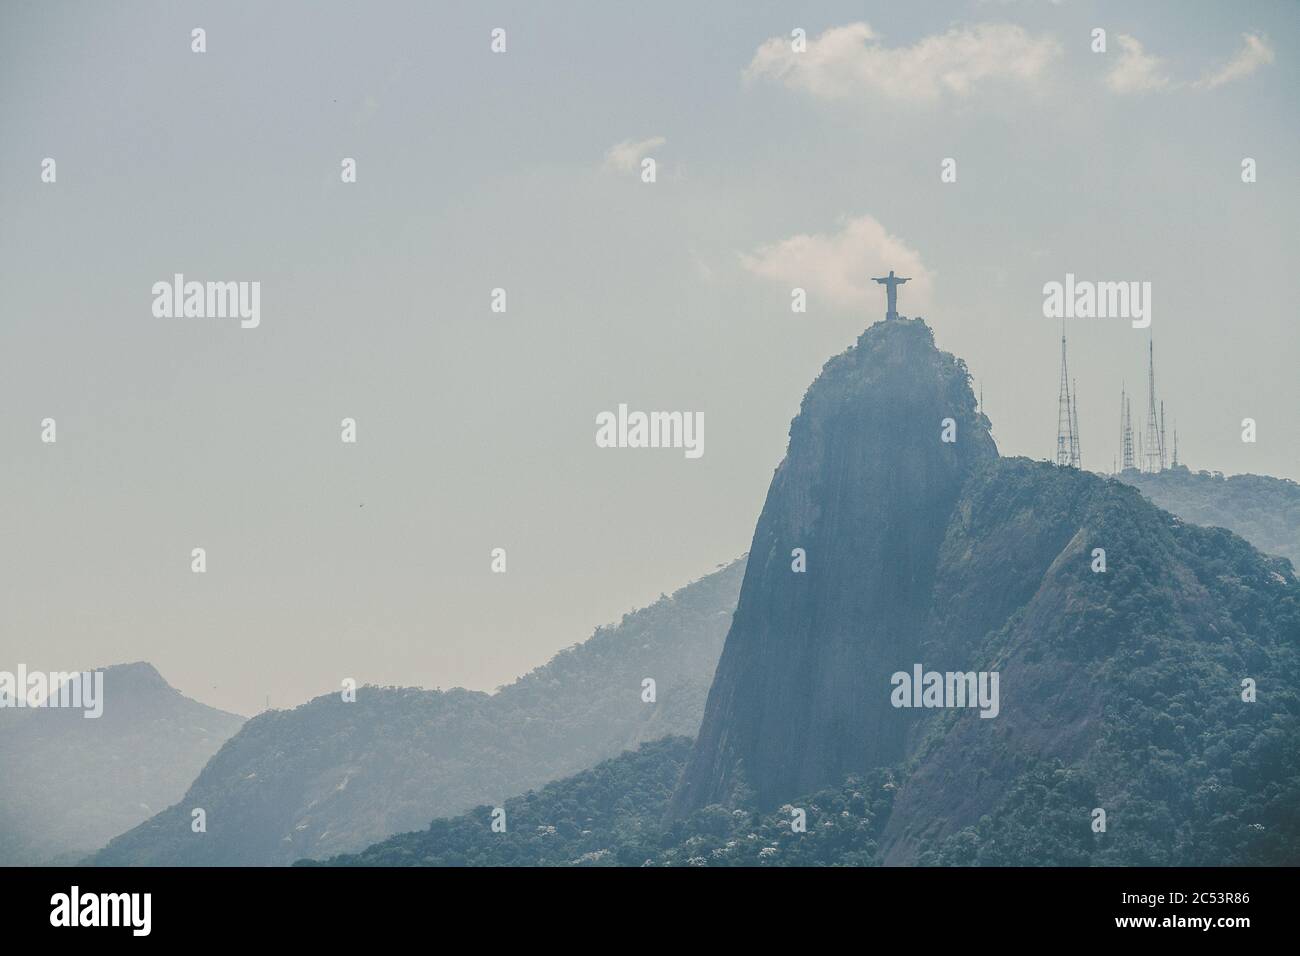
x=891 y=283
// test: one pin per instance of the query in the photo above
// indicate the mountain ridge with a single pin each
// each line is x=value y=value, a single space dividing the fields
x=145 y=748
x=331 y=777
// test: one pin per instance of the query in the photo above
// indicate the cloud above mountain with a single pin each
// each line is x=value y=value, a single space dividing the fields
x=838 y=267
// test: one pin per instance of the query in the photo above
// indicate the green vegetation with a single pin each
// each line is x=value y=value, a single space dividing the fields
x=1128 y=697
x=613 y=815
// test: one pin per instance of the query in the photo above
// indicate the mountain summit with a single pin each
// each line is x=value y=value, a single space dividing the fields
x=68 y=784
x=1145 y=710
x=886 y=438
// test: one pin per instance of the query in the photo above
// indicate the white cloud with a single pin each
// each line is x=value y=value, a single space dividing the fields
x=838 y=268
x=1255 y=52
x=849 y=61
x=1136 y=71
x=625 y=157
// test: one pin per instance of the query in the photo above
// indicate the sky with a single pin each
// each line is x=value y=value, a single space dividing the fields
x=522 y=170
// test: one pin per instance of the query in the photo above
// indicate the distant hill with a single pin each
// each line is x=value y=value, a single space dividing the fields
x=68 y=784
x=331 y=777
x=1263 y=510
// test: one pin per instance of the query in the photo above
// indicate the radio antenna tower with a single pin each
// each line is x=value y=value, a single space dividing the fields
x=1065 y=444
x=1125 y=436
x=1153 y=449
x=1126 y=431
x=1129 y=461
x=1076 y=458
x=1164 y=462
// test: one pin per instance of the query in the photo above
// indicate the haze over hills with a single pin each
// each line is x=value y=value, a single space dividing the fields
x=68 y=783
x=332 y=777
x=329 y=778
x=1161 y=690
x=1263 y=510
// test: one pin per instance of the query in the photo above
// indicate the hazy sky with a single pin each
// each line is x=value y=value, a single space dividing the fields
x=478 y=170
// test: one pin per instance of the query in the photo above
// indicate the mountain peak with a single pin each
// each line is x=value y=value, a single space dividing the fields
x=142 y=751
x=137 y=673
x=838 y=583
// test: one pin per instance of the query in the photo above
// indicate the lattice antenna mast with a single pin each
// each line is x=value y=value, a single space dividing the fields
x=1123 y=422
x=1130 y=457
x=1125 y=430
x=1076 y=458
x=1064 y=429
x=1163 y=458
x=1152 y=451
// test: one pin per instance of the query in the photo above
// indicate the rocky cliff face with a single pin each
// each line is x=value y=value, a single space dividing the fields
x=866 y=490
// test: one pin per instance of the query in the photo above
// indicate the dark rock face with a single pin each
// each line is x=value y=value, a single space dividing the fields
x=867 y=489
